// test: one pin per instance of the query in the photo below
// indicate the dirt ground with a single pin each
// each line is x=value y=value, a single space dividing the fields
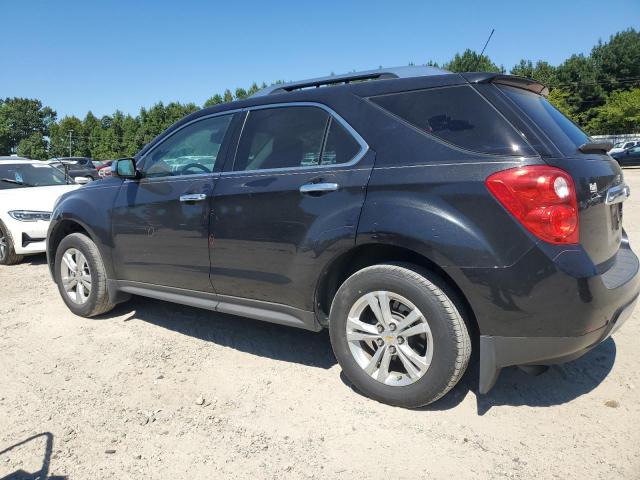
x=155 y=390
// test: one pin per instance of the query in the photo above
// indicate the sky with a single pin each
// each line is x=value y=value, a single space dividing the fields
x=105 y=55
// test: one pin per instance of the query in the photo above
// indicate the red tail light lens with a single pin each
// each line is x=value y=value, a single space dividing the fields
x=542 y=198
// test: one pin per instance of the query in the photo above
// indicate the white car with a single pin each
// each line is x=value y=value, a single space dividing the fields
x=28 y=191
x=622 y=146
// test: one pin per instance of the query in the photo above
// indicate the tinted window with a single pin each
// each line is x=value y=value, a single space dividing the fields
x=458 y=115
x=16 y=175
x=565 y=134
x=191 y=150
x=340 y=147
x=281 y=138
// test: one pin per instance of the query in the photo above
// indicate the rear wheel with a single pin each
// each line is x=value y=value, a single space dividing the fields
x=398 y=336
x=8 y=254
x=81 y=277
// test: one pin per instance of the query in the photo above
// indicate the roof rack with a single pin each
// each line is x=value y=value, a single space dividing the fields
x=379 y=74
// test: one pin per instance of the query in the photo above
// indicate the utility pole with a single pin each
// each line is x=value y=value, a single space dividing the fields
x=70 y=133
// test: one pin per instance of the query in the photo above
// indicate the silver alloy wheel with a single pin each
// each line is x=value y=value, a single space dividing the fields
x=4 y=246
x=76 y=276
x=389 y=338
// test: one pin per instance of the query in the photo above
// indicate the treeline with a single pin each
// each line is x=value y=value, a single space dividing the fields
x=600 y=92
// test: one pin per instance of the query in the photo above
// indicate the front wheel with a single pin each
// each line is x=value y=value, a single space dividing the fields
x=81 y=277
x=398 y=336
x=8 y=255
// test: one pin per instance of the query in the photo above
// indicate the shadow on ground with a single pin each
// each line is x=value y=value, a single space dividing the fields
x=39 y=259
x=252 y=336
x=43 y=472
x=560 y=384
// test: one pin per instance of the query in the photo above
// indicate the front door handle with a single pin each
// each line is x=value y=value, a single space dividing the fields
x=318 y=188
x=193 y=197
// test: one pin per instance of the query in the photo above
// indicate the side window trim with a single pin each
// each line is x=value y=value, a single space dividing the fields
x=364 y=147
x=140 y=163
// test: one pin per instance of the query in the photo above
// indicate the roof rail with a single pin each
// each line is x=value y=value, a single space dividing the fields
x=379 y=74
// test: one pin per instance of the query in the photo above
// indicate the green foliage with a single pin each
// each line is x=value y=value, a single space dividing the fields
x=33 y=146
x=20 y=118
x=618 y=61
x=471 y=61
x=542 y=71
x=66 y=138
x=620 y=113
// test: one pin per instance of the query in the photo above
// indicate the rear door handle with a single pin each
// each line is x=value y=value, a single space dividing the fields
x=193 y=197
x=318 y=188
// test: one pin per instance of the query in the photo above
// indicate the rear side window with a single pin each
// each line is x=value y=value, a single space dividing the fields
x=289 y=137
x=565 y=134
x=340 y=146
x=457 y=115
x=281 y=138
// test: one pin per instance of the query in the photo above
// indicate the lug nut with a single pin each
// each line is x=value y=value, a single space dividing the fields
x=392 y=349
x=380 y=342
x=400 y=340
x=392 y=326
x=380 y=328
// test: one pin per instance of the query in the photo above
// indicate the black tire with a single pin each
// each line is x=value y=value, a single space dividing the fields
x=98 y=300
x=9 y=257
x=451 y=341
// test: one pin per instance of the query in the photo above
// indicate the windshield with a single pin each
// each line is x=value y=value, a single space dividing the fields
x=20 y=175
x=565 y=134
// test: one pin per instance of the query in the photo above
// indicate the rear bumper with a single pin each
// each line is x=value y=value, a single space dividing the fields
x=551 y=306
x=499 y=352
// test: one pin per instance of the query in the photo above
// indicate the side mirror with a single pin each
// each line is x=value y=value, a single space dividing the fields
x=81 y=180
x=124 y=168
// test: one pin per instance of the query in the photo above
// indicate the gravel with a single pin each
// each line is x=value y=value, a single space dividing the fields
x=157 y=390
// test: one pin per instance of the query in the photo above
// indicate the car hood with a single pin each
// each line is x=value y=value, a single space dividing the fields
x=33 y=198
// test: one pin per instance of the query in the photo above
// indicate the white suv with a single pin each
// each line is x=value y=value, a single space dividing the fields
x=28 y=190
x=622 y=146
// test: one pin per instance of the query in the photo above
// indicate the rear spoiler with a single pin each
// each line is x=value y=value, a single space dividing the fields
x=511 y=80
x=599 y=147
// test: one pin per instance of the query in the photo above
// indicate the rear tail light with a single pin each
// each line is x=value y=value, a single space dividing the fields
x=542 y=198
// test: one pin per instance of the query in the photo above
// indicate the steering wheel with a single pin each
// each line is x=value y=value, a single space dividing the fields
x=194 y=165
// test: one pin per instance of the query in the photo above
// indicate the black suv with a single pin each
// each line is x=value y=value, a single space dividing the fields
x=414 y=212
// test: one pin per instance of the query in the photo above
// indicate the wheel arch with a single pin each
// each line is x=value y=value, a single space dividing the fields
x=368 y=254
x=58 y=232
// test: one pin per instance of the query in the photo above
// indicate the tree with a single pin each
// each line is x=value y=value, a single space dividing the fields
x=471 y=61
x=620 y=114
x=215 y=100
x=577 y=76
x=34 y=146
x=68 y=129
x=542 y=71
x=241 y=94
x=91 y=131
x=618 y=61
x=19 y=119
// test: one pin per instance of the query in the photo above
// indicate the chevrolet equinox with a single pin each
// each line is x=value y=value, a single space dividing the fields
x=414 y=212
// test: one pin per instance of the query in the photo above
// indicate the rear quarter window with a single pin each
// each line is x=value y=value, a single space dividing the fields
x=565 y=134
x=459 y=116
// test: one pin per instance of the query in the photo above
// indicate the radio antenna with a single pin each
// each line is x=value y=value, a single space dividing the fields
x=485 y=46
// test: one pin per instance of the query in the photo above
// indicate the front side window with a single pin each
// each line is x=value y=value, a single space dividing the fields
x=192 y=150
x=457 y=115
x=17 y=175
